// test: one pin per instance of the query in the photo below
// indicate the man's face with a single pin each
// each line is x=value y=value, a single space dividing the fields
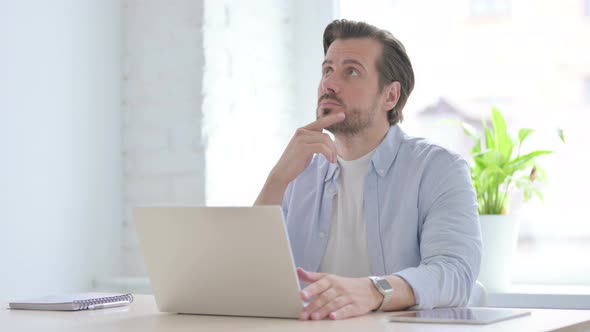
x=350 y=84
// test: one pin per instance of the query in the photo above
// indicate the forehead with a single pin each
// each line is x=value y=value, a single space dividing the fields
x=363 y=50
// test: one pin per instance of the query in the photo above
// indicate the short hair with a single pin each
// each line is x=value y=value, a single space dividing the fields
x=393 y=65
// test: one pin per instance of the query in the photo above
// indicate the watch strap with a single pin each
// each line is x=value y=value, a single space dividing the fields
x=387 y=294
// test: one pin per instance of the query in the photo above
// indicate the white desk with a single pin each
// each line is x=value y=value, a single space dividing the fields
x=142 y=315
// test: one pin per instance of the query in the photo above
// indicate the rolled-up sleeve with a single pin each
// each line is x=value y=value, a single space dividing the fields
x=450 y=237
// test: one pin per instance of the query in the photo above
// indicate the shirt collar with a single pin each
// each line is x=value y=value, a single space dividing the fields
x=333 y=170
x=382 y=158
x=387 y=151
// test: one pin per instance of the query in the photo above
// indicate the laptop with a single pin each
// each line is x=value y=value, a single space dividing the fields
x=234 y=261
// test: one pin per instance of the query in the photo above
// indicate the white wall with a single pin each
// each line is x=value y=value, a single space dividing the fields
x=60 y=165
x=311 y=18
x=163 y=152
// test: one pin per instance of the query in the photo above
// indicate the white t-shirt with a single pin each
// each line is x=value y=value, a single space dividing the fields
x=346 y=253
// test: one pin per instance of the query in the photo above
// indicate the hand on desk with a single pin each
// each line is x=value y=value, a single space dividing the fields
x=337 y=297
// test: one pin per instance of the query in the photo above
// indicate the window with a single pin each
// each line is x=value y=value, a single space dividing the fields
x=486 y=8
x=271 y=85
x=465 y=68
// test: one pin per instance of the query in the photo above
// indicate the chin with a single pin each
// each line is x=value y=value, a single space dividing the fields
x=327 y=111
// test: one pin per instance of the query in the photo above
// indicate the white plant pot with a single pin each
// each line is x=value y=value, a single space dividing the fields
x=499 y=234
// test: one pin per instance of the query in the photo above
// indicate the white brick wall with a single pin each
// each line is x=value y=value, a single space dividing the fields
x=163 y=152
x=258 y=63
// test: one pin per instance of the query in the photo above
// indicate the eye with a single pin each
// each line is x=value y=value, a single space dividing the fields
x=326 y=71
x=353 y=72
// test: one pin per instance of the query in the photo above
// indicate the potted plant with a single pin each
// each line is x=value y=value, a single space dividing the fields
x=499 y=167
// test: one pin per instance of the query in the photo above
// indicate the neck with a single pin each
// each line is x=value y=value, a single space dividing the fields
x=352 y=147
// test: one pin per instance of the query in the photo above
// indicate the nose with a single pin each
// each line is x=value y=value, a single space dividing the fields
x=329 y=84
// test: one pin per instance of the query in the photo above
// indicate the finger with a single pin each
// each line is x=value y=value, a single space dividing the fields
x=311 y=137
x=315 y=289
x=309 y=276
x=330 y=143
x=325 y=121
x=326 y=139
x=346 y=311
x=330 y=307
x=321 y=148
x=320 y=301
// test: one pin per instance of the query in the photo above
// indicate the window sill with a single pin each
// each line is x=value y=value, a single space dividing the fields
x=542 y=296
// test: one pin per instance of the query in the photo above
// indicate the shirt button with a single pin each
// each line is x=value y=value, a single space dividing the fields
x=322 y=235
x=331 y=190
x=381 y=171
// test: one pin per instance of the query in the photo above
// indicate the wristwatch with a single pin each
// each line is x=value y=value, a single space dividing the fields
x=384 y=287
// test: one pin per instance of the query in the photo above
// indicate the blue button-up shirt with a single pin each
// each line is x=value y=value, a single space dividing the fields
x=421 y=215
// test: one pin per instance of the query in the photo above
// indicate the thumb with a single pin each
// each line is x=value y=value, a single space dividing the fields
x=309 y=277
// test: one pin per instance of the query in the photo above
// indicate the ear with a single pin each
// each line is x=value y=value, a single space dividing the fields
x=392 y=94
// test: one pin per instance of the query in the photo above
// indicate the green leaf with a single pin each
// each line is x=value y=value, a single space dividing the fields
x=476 y=147
x=523 y=161
x=541 y=174
x=539 y=194
x=527 y=194
x=503 y=141
x=561 y=134
x=493 y=159
x=470 y=131
x=523 y=134
x=490 y=141
x=499 y=125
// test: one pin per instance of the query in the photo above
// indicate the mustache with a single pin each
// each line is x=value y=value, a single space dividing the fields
x=331 y=96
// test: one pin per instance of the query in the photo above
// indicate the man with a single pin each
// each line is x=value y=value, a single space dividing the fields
x=373 y=202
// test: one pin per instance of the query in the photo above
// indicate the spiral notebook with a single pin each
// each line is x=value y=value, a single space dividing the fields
x=73 y=302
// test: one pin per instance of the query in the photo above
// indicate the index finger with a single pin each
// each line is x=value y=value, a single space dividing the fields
x=326 y=121
x=315 y=289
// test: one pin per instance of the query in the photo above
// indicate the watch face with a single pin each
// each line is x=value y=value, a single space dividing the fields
x=384 y=284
